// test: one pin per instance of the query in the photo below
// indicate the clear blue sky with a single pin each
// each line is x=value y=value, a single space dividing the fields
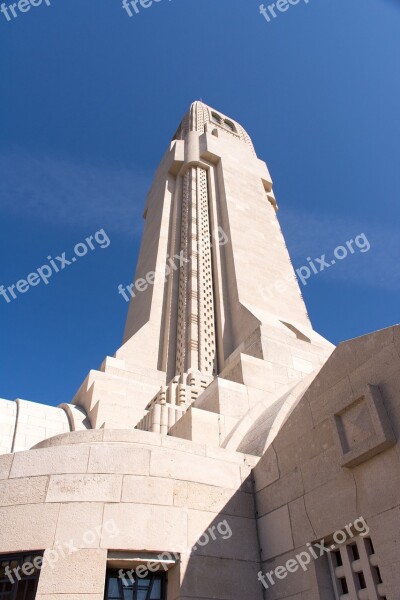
x=90 y=100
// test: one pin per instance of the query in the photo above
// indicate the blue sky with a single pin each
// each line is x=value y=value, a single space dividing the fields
x=90 y=100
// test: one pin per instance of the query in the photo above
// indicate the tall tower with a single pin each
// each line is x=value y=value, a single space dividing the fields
x=111 y=497
x=215 y=296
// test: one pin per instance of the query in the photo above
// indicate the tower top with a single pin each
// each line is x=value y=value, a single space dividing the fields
x=203 y=118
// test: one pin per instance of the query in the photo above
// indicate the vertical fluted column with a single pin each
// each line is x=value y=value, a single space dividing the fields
x=183 y=279
x=196 y=328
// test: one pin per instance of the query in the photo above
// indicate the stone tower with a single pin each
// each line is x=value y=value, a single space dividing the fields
x=215 y=296
x=222 y=439
x=215 y=301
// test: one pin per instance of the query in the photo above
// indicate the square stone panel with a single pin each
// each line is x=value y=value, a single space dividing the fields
x=363 y=428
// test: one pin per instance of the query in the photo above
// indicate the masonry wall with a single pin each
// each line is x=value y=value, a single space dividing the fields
x=303 y=490
x=24 y=424
x=161 y=494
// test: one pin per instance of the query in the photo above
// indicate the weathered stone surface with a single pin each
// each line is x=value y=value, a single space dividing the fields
x=81 y=523
x=378 y=484
x=147 y=490
x=221 y=581
x=267 y=470
x=154 y=528
x=119 y=459
x=84 y=488
x=328 y=504
x=177 y=465
x=280 y=492
x=222 y=536
x=46 y=461
x=301 y=526
x=5 y=465
x=27 y=527
x=76 y=573
x=28 y=490
x=275 y=533
x=215 y=499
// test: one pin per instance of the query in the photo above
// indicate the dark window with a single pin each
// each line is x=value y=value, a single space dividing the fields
x=345 y=589
x=354 y=549
x=15 y=584
x=130 y=587
x=370 y=546
x=361 y=581
x=230 y=125
x=338 y=557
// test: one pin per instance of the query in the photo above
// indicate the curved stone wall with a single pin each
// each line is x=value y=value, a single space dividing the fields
x=131 y=491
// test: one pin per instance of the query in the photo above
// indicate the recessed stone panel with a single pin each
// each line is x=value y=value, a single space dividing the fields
x=363 y=428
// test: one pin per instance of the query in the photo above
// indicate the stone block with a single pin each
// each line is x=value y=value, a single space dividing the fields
x=280 y=493
x=147 y=490
x=312 y=444
x=214 y=499
x=145 y=527
x=84 y=488
x=390 y=577
x=206 y=578
x=179 y=465
x=82 y=572
x=27 y=527
x=378 y=484
x=289 y=585
x=81 y=523
x=182 y=445
x=28 y=490
x=224 y=397
x=222 y=537
x=301 y=526
x=320 y=469
x=325 y=402
x=275 y=533
x=132 y=436
x=377 y=368
x=48 y=461
x=86 y=436
x=267 y=471
x=199 y=426
x=384 y=531
x=107 y=458
x=329 y=505
x=5 y=465
x=223 y=454
x=299 y=423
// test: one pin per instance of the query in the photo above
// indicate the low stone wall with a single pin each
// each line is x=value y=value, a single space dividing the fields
x=132 y=491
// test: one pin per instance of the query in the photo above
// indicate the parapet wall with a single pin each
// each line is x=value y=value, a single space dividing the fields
x=23 y=424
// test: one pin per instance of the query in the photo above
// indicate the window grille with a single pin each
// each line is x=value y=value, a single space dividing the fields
x=151 y=587
x=355 y=572
x=14 y=583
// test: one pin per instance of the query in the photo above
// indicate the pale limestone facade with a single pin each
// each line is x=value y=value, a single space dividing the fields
x=223 y=405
